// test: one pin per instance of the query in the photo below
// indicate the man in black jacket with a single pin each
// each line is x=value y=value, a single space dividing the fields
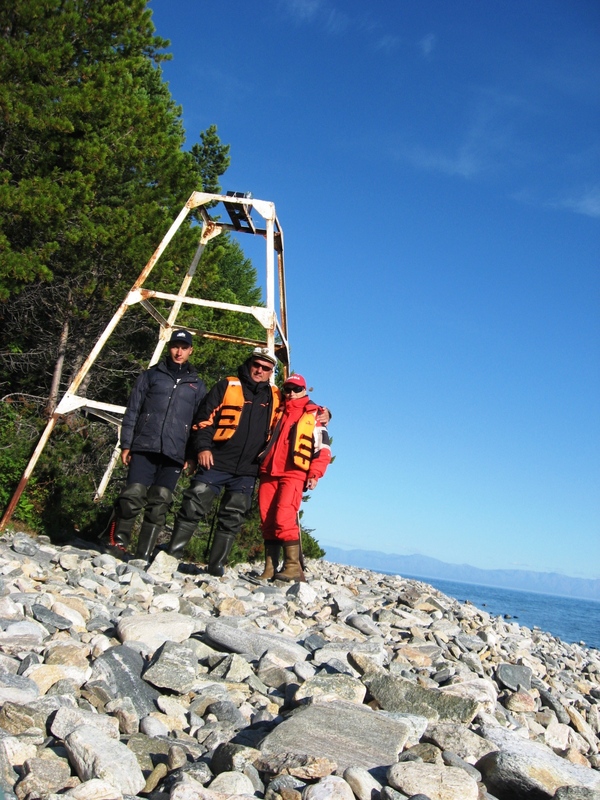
x=229 y=431
x=154 y=436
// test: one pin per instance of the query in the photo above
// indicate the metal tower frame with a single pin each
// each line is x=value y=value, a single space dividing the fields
x=239 y=208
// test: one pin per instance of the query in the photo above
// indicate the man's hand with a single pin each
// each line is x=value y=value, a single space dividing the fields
x=205 y=459
x=324 y=416
x=311 y=483
x=125 y=457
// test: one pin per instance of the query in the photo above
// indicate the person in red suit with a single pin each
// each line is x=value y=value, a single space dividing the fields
x=295 y=459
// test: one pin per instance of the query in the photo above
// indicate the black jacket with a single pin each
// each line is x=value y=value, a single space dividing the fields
x=238 y=455
x=164 y=400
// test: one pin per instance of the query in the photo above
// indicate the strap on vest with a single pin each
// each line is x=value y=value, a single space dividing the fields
x=230 y=411
x=303 y=445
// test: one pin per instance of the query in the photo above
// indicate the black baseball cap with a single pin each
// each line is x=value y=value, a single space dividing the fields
x=181 y=337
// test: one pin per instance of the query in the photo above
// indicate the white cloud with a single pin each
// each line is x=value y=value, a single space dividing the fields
x=427 y=44
x=336 y=22
x=484 y=143
x=387 y=43
x=333 y=19
x=318 y=12
x=587 y=203
x=465 y=163
x=480 y=150
x=302 y=10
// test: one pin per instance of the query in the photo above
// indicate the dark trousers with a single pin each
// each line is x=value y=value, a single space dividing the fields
x=217 y=480
x=153 y=469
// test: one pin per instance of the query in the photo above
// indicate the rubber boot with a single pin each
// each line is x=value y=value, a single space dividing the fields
x=182 y=533
x=147 y=541
x=219 y=553
x=157 y=507
x=128 y=505
x=195 y=506
x=118 y=536
x=232 y=511
x=272 y=553
x=292 y=568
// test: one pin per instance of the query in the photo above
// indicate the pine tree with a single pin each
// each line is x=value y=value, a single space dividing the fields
x=212 y=159
x=92 y=174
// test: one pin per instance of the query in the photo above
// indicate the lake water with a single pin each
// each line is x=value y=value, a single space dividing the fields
x=570 y=619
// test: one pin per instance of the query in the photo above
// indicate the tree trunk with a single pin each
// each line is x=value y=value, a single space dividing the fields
x=58 y=370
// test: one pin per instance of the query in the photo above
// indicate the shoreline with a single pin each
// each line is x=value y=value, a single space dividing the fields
x=530 y=609
x=503 y=588
x=428 y=568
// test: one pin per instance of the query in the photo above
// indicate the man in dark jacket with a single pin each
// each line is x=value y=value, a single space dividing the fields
x=154 y=436
x=229 y=431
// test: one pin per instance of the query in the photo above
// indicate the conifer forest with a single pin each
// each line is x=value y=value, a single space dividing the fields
x=94 y=167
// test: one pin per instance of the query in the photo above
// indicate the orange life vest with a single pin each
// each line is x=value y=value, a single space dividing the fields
x=231 y=408
x=303 y=442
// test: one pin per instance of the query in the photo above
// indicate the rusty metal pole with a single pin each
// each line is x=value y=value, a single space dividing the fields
x=109 y=470
x=208 y=233
x=176 y=308
x=58 y=413
x=28 y=470
x=271 y=286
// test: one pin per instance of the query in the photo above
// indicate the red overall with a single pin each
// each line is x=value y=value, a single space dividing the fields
x=281 y=481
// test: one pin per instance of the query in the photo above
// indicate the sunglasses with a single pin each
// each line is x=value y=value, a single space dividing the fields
x=294 y=389
x=264 y=367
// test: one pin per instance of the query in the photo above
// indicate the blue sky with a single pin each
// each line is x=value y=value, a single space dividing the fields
x=435 y=169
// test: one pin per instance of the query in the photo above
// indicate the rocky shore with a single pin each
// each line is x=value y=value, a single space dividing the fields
x=165 y=683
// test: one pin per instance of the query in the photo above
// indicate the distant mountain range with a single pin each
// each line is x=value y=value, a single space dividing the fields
x=424 y=567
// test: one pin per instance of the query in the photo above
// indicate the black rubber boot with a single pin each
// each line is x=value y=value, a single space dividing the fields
x=182 y=533
x=158 y=502
x=195 y=506
x=147 y=541
x=129 y=504
x=219 y=553
x=232 y=511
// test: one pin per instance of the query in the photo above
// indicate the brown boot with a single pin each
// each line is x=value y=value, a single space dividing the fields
x=292 y=568
x=272 y=552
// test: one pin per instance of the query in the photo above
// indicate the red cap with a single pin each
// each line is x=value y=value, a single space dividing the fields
x=296 y=380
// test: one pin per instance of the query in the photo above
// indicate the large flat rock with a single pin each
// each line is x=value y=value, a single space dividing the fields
x=521 y=768
x=394 y=693
x=349 y=734
x=237 y=637
x=121 y=667
x=156 y=629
